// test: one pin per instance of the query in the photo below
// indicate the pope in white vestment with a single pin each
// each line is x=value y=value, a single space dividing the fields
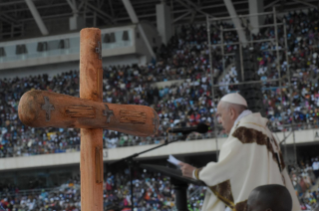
x=250 y=157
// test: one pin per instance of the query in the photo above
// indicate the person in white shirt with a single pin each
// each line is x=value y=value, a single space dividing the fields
x=250 y=157
x=315 y=167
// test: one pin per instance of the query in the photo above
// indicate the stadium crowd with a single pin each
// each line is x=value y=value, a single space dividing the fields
x=184 y=103
x=305 y=181
x=152 y=191
x=127 y=84
x=303 y=60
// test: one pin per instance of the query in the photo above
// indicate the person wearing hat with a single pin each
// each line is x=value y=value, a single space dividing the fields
x=249 y=157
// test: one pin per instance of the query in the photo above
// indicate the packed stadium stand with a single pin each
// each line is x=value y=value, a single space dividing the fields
x=167 y=69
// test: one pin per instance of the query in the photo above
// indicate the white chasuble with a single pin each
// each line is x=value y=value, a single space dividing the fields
x=248 y=158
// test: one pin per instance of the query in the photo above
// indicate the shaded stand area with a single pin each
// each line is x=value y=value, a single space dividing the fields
x=180 y=193
x=179 y=182
x=131 y=163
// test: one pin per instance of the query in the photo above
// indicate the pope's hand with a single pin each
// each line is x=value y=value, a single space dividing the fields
x=187 y=169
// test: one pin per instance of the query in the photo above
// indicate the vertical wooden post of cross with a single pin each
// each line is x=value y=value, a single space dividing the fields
x=91 y=78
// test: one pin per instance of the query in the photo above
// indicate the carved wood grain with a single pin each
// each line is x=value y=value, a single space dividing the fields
x=91 y=76
x=98 y=165
x=80 y=111
x=76 y=112
x=135 y=117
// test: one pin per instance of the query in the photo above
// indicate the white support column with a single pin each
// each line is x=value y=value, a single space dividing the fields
x=232 y=12
x=164 y=22
x=37 y=17
x=76 y=22
x=73 y=6
x=130 y=11
x=255 y=21
x=134 y=19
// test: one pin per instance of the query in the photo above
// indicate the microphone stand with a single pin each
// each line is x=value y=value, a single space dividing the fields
x=129 y=160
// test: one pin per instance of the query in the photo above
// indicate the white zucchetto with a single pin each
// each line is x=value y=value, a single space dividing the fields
x=234 y=98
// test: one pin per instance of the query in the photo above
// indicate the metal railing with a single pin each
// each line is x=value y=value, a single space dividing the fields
x=274 y=41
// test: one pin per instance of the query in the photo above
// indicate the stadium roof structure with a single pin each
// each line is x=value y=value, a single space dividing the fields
x=14 y=14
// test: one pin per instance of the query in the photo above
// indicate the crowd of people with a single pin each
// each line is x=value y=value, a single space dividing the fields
x=303 y=63
x=121 y=84
x=152 y=191
x=305 y=181
x=65 y=197
x=186 y=103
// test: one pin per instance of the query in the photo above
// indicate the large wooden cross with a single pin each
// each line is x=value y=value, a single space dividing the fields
x=48 y=109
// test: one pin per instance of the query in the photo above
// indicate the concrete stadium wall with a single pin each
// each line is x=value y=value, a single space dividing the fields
x=163 y=84
x=122 y=52
x=179 y=148
x=54 y=69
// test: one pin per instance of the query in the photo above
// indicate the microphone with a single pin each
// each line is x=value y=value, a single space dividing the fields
x=200 y=128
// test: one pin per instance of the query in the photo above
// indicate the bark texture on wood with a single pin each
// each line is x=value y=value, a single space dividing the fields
x=49 y=109
x=91 y=76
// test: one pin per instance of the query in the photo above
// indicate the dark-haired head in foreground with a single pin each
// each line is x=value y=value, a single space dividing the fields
x=269 y=198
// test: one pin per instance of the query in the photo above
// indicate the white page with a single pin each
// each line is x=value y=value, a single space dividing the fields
x=173 y=160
